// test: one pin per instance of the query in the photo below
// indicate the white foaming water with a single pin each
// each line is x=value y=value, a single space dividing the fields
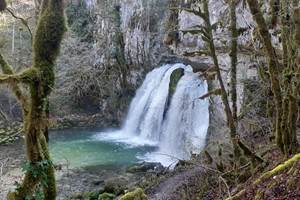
x=181 y=132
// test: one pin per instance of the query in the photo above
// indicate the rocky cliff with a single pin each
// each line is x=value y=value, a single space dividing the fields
x=162 y=33
x=111 y=45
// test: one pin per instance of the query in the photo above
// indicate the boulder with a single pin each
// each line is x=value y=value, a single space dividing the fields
x=146 y=167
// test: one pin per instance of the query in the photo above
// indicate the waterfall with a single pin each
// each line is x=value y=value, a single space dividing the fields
x=179 y=132
x=187 y=120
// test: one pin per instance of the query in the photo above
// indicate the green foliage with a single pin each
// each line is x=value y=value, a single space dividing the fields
x=80 y=21
x=38 y=170
x=106 y=196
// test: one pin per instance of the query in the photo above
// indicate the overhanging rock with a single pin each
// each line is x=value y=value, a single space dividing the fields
x=197 y=67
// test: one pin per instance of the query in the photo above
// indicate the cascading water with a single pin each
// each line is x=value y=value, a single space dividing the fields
x=181 y=131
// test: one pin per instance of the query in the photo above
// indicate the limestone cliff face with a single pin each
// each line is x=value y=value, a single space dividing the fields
x=150 y=30
x=145 y=24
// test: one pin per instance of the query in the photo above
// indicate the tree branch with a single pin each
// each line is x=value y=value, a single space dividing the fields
x=8 y=70
x=24 y=22
x=27 y=76
x=215 y=92
x=195 y=12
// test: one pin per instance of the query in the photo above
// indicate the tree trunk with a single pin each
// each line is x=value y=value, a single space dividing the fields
x=41 y=81
x=273 y=66
x=234 y=60
x=284 y=80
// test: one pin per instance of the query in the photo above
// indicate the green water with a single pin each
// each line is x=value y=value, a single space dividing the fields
x=78 y=148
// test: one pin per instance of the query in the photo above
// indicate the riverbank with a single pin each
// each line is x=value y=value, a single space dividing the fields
x=11 y=131
x=70 y=182
x=158 y=182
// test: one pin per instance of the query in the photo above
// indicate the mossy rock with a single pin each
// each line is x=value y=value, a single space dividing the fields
x=174 y=79
x=107 y=196
x=93 y=195
x=115 y=186
x=145 y=167
x=137 y=194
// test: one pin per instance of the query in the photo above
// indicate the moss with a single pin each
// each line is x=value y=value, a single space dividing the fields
x=115 y=186
x=278 y=169
x=93 y=195
x=174 y=79
x=137 y=194
x=49 y=34
x=259 y=194
x=107 y=196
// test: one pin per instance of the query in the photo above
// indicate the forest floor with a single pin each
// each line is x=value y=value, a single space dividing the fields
x=280 y=185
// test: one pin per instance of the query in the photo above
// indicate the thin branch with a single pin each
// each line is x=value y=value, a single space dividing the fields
x=24 y=22
x=25 y=76
x=215 y=92
x=195 y=12
x=8 y=70
x=3 y=115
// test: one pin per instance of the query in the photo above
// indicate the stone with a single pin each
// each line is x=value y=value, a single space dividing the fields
x=146 y=167
x=172 y=59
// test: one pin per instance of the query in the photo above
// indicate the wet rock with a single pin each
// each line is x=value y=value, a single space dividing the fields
x=98 y=182
x=172 y=59
x=146 y=167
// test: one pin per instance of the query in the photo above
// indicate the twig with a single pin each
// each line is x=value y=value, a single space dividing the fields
x=226 y=185
x=3 y=115
x=11 y=136
x=24 y=22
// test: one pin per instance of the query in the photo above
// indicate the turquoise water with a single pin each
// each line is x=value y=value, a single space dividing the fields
x=78 y=148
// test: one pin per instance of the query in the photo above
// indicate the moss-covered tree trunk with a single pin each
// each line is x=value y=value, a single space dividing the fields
x=40 y=79
x=225 y=100
x=284 y=75
x=234 y=59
